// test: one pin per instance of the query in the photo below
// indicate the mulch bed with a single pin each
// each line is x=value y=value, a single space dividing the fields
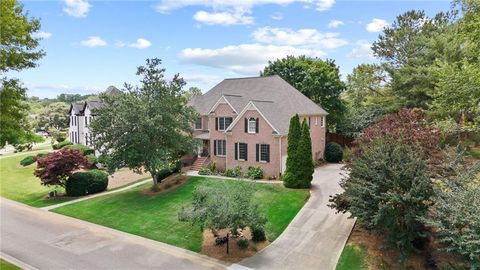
x=235 y=253
x=168 y=184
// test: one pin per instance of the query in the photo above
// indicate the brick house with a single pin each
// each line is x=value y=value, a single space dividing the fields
x=245 y=122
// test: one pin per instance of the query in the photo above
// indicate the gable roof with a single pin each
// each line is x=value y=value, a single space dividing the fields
x=76 y=107
x=276 y=99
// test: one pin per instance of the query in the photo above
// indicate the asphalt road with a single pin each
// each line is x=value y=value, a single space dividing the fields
x=45 y=240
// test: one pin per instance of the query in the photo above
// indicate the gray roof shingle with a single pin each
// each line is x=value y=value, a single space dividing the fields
x=276 y=99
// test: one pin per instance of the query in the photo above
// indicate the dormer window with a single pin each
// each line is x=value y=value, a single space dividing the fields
x=252 y=125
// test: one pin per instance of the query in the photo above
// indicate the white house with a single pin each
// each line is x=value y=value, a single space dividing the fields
x=81 y=115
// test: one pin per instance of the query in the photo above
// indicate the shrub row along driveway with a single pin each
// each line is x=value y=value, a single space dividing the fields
x=316 y=237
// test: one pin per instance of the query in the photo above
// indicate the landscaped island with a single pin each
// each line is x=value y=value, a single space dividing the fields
x=156 y=216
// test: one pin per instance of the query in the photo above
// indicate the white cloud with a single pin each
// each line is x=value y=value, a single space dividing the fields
x=244 y=58
x=166 y=6
x=361 y=50
x=141 y=43
x=377 y=25
x=94 y=41
x=42 y=35
x=223 y=18
x=277 y=16
x=335 y=23
x=77 y=8
x=303 y=37
x=201 y=78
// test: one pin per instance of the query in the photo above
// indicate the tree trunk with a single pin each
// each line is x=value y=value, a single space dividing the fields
x=155 y=179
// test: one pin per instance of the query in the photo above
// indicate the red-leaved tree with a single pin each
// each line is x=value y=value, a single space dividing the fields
x=56 y=167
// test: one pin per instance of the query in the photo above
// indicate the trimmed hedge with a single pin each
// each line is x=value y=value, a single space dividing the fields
x=60 y=145
x=28 y=160
x=204 y=171
x=254 y=172
x=83 y=183
x=333 y=152
x=41 y=155
x=83 y=148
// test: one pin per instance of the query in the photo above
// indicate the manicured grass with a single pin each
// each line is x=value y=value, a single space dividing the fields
x=18 y=183
x=156 y=217
x=4 y=265
x=354 y=257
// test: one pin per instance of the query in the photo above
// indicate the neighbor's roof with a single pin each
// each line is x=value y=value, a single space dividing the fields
x=276 y=99
x=79 y=108
x=76 y=107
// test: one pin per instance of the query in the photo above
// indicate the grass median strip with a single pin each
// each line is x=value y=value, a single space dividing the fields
x=155 y=216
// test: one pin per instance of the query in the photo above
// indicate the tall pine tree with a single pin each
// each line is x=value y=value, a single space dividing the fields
x=294 y=136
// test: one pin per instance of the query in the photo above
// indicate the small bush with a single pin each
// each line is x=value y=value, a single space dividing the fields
x=83 y=183
x=333 y=152
x=229 y=173
x=254 y=172
x=204 y=171
x=163 y=173
x=83 y=148
x=242 y=243
x=92 y=159
x=178 y=167
x=213 y=167
x=41 y=155
x=61 y=139
x=60 y=145
x=28 y=160
x=258 y=235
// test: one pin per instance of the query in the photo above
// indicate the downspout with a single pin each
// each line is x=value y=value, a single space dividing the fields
x=280 y=153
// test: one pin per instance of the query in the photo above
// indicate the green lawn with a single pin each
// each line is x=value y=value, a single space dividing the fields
x=18 y=183
x=354 y=257
x=4 y=265
x=155 y=217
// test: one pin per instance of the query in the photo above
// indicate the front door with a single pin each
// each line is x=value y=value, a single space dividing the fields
x=205 y=148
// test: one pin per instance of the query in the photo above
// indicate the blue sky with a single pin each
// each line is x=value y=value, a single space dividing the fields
x=93 y=44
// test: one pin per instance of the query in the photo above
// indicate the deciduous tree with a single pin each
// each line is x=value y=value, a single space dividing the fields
x=148 y=127
x=57 y=166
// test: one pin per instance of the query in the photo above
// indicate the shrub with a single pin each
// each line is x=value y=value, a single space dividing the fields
x=61 y=139
x=258 y=235
x=242 y=243
x=388 y=190
x=333 y=152
x=83 y=148
x=82 y=183
x=28 y=160
x=254 y=172
x=204 y=171
x=92 y=159
x=60 y=145
x=213 y=167
x=163 y=173
x=178 y=167
x=229 y=173
x=41 y=155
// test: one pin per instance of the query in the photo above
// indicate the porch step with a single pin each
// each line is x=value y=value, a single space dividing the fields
x=199 y=163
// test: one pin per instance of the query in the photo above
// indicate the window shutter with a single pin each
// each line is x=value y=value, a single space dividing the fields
x=258 y=152
x=246 y=152
x=216 y=123
x=268 y=152
x=236 y=151
x=256 y=126
x=246 y=125
x=215 y=147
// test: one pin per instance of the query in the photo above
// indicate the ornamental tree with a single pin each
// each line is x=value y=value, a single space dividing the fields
x=56 y=167
x=388 y=189
x=147 y=127
x=306 y=168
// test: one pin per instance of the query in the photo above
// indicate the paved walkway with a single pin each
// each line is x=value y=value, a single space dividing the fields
x=316 y=237
x=88 y=197
x=45 y=240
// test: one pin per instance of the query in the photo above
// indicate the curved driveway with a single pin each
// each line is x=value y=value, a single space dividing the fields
x=316 y=236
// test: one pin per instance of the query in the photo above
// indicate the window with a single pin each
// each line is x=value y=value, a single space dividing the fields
x=220 y=147
x=222 y=123
x=86 y=121
x=263 y=152
x=252 y=125
x=241 y=151
x=86 y=138
x=322 y=121
x=198 y=123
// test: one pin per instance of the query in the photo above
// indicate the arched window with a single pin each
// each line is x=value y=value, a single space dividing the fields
x=252 y=125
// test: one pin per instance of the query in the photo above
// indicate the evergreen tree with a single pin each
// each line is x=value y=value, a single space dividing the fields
x=304 y=155
x=294 y=136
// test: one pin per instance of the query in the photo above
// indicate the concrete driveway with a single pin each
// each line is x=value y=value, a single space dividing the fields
x=316 y=236
x=37 y=239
